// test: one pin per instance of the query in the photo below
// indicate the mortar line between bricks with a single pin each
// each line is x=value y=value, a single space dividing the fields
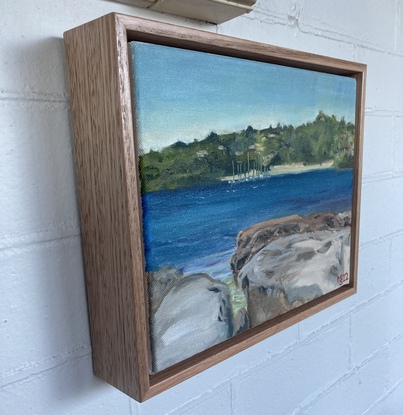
x=290 y=347
x=68 y=358
x=381 y=113
x=350 y=335
x=61 y=104
x=383 y=397
x=378 y=177
x=232 y=397
x=35 y=96
x=332 y=385
x=26 y=246
x=314 y=334
x=334 y=35
x=268 y=17
x=196 y=400
x=374 y=299
x=383 y=238
x=350 y=40
x=348 y=313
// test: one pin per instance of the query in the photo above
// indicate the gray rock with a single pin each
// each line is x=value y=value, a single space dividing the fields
x=159 y=283
x=194 y=315
x=253 y=239
x=285 y=263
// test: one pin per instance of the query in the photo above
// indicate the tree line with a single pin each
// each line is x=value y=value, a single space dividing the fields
x=248 y=152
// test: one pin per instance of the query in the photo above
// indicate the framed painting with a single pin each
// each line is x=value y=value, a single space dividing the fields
x=219 y=187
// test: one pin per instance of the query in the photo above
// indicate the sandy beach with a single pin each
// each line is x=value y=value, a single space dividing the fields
x=298 y=168
x=289 y=169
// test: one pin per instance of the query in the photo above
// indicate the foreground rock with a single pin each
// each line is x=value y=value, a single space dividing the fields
x=160 y=283
x=193 y=315
x=284 y=263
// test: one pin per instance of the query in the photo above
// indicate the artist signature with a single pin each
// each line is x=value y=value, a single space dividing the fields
x=342 y=278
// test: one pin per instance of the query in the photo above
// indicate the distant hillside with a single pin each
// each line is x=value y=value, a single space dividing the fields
x=240 y=153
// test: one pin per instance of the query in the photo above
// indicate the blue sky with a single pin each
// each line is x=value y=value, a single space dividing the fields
x=184 y=95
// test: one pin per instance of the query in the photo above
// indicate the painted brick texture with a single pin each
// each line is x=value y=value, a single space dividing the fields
x=346 y=360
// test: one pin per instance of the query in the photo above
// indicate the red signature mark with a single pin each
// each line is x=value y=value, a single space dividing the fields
x=342 y=278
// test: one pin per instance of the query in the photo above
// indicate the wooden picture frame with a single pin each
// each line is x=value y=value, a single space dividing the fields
x=107 y=173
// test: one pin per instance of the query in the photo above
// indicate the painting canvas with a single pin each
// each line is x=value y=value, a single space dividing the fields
x=246 y=172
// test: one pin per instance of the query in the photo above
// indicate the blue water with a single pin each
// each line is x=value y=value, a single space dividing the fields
x=195 y=229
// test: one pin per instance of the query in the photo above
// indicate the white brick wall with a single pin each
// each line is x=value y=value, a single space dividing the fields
x=346 y=360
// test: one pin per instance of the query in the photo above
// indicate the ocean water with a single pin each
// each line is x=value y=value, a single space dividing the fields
x=195 y=229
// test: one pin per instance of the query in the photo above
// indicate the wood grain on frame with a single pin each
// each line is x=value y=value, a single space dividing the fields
x=109 y=196
x=109 y=203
